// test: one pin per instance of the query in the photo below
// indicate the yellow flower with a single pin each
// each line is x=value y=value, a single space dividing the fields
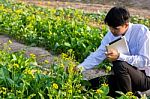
x=48 y=2
x=9 y=48
x=79 y=91
x=55 y=86
x=32 y=55
x=108 y=68
x=99 y=91
x=129 y=93
x=46 y=61
x=29 y=72
x=16 y=65
x=3 y=90
x=104 y=84
x=1 y=7
x=78 y=86
x=70 y=91
x=64 y=55
x=9 y=41
x=45 y=72
x=62 y=65
x=18 y=11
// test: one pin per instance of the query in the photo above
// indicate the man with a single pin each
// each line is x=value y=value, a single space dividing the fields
x=131 y=72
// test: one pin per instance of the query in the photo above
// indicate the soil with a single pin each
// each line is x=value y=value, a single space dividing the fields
x=136 y=7
x=40 y=53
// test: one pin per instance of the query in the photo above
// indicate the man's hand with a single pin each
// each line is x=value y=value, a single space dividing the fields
x=76 y=68
x=112 y=55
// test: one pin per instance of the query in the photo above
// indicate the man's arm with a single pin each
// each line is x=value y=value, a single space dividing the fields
x=96 y=57
x=141 y=59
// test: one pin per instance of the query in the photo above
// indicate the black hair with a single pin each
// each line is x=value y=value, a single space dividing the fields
x=117 y=16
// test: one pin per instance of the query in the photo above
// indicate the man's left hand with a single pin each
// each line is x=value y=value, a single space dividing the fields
x=112 y=55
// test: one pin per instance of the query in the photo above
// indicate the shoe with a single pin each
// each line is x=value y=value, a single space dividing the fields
x=138 y=94
x=142 y=95
x=147 y=93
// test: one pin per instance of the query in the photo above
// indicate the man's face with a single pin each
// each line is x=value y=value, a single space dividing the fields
x=119 y=30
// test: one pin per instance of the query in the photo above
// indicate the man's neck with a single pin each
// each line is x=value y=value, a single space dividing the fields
x=125 y=31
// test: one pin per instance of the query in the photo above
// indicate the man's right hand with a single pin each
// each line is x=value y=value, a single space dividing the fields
x=76 y=69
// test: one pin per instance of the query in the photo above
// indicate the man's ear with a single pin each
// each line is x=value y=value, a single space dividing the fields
x=126 y=24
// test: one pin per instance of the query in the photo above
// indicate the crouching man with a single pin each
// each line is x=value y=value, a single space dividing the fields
x=131 y=71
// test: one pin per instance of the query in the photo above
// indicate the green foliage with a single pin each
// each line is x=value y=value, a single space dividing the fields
x=128 y=95
x=20 y=77
x=57 y=30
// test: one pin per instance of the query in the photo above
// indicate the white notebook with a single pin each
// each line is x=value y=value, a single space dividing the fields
x=120 y=45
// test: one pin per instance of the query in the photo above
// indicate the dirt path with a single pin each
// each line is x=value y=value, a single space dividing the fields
x=40 y=53
x=136 y=7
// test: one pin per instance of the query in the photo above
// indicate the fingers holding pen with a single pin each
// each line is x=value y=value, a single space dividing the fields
x=108 y=54
x=112 y=55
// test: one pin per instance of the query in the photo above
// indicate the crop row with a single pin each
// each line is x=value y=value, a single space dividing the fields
x=57 y=30
x=21 y=78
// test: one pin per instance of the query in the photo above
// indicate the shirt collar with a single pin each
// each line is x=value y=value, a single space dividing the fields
x=128 y=32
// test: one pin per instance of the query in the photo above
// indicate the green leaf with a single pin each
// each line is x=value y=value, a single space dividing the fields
x=67 y=44
x=14 y=57
x=31 y=96
x=10 y=81
x=105 y=89
x=42 y=97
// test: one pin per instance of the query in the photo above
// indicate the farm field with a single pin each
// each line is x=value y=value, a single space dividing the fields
x=70 y=33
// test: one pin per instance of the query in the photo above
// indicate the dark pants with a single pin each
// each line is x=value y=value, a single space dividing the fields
x=128 y=78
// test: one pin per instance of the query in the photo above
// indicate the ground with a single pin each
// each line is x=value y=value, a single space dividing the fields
x=136 y=7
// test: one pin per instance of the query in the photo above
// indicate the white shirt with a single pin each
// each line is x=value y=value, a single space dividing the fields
x=138 y=40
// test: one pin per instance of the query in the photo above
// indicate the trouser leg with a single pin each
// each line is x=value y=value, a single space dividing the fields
x=95 y=83
x=129 y=78
x=113 y=86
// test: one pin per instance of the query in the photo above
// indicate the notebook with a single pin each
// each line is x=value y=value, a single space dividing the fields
x=120 y=45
